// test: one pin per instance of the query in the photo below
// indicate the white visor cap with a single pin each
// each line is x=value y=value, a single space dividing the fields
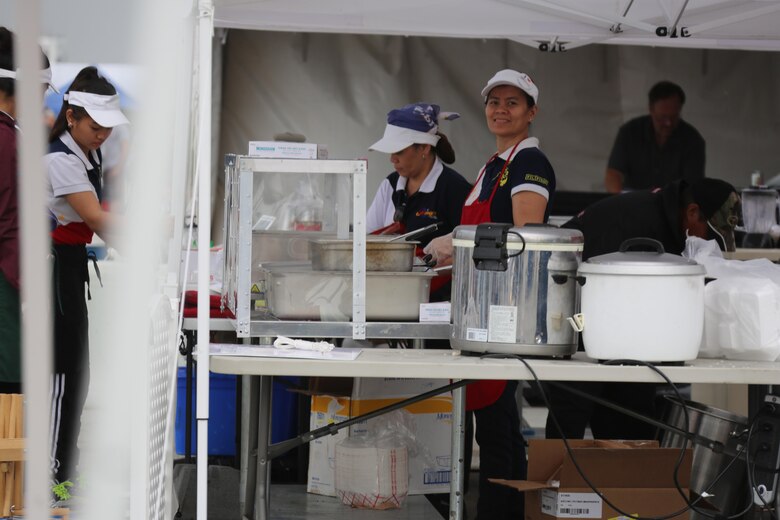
x=103 y=109
x=397 y=138
x=45 y=76
x=511 y=77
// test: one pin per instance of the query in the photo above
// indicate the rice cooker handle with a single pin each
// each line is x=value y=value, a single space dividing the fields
x=577 y=322
x=561 y=279
x=490 y=252
x=642 y=241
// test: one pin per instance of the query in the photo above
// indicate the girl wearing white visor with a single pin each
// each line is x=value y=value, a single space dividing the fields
x=74 y=165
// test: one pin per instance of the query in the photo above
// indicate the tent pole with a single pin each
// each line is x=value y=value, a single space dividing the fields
x=35 y=267
x=203 y=164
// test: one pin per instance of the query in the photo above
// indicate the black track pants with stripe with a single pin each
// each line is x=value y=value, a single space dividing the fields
x=71 y=358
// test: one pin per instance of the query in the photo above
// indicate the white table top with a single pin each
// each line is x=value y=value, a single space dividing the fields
x=448 y=364
x=752 y=254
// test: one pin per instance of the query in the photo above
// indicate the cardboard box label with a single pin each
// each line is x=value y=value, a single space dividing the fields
x=325 y=410
x=571 y=505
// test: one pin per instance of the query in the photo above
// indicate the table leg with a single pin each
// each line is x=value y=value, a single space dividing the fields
x=250 y=388
x=458 y=437
x=263 y=484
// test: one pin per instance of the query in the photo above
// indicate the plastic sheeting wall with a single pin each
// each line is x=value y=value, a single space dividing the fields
x=336 y=89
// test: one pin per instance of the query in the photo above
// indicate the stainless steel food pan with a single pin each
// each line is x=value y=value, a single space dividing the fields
x=381 y=255
x=298 y=293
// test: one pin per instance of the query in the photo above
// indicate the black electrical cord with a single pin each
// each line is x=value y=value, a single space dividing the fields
x=736 y=457
x=690 y=505
x=687 y=428
x=751 y=469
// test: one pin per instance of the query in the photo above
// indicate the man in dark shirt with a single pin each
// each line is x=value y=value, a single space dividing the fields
x=653 y=150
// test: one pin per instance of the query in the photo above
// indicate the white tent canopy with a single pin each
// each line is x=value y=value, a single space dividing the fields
x=545 y=25
x=720 y=24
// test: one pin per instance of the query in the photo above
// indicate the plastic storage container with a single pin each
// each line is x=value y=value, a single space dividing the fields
x=222 y=413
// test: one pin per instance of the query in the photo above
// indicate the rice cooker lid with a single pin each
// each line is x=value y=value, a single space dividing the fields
x=652 y=263
x=540 y=235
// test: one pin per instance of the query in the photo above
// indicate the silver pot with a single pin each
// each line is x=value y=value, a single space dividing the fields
x=514 y=289
x=712 y=425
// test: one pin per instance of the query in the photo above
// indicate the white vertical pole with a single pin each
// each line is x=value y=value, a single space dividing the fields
x=205 y=34
x=35 y=268
x=359 y=253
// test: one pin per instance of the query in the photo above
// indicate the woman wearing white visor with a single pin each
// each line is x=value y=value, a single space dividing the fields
x=89 y=111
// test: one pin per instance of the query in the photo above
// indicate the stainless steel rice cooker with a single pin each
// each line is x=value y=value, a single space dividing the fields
x=642 y=305
x=514 y=289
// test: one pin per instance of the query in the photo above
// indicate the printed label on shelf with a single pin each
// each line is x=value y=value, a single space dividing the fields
x=476 y=334
x=502 y=324
x=263 y=223
x=571 y=505
x=435 y=312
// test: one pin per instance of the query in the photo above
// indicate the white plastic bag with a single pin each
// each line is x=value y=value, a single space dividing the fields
x=741 y=307
x=372 y=470
x=708 y=254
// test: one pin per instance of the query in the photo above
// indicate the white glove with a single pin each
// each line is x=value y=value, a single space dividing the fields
x=440 y=249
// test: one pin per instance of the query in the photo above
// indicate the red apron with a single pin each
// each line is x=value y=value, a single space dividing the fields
x=483 y=393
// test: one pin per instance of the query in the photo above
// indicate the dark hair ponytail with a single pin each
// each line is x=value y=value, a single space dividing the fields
x=444 y=149
x=87 y=80
x=7 y=85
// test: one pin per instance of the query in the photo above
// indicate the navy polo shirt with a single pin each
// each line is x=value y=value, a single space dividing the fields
x=529 y=171
x=443 y=204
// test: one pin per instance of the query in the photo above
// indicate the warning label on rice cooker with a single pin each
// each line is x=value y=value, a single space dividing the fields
x=502 y=324
x=571 y=505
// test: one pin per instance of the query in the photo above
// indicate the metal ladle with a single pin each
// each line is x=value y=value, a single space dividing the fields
x=411 y=235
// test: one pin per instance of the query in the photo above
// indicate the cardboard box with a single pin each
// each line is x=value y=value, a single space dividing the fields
x=429 y=471
x=325 y=410
x=287 y=150
x=636 y=476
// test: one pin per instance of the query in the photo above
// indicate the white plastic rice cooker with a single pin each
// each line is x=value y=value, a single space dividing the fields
x=641 y=305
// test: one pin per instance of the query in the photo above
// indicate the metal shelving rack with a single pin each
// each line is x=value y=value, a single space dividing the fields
x=239 y=173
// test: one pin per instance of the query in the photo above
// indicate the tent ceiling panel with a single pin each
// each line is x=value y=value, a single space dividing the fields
x=743 y=24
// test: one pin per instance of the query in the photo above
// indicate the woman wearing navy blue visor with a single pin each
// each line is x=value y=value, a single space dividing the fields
x=422 y=190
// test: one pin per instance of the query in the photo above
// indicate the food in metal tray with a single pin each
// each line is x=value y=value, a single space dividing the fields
x=381 y=255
